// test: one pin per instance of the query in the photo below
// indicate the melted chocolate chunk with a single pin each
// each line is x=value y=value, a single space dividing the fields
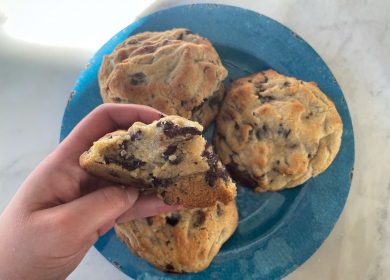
x=130 y=163
x=198 y=218
x=138 y=79
x=242 y=176
x=136 y=136
x=214 y=171
x=171 y=149
x=171 y=130
x=161 y=182
x=173 y=220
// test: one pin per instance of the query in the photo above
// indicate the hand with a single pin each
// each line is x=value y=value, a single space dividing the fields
x=60 y=210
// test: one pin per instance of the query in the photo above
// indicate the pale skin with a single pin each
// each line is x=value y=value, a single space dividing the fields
x=60 y=210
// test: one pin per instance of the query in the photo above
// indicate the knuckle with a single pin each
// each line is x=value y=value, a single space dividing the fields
x=115 y=197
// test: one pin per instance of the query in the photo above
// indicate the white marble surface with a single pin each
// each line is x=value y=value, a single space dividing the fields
x=352 y=36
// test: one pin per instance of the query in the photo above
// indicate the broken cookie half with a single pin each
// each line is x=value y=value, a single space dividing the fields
x=168 y=156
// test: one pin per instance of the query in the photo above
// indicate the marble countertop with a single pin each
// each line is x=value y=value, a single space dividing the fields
x=353 y=38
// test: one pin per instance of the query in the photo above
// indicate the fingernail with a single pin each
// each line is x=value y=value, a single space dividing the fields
x=132 y=193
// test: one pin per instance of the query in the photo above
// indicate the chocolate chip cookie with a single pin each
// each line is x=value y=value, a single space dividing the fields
x=184 y=241
x=176 y=72
x=276 y=132
x=169 y=156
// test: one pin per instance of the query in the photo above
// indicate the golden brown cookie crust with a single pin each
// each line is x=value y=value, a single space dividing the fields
x=184 y=241
x=168 y=156
x=176 y=72
x=275 y=132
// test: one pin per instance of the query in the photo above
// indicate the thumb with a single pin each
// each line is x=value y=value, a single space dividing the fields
x=98 y=209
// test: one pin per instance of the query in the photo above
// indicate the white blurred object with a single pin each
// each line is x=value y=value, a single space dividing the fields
x=78 y=24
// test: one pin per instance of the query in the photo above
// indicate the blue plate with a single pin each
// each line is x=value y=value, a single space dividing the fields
x=277 y=231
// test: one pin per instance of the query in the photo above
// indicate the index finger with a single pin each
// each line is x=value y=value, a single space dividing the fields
x=104 y=119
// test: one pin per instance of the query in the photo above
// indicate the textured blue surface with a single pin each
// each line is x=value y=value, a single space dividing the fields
x=277 y=231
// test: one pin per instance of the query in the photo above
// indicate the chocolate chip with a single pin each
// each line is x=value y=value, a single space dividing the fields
x=309 y=115
x=136 y=136
x=171 y=130
x=114 y=174
x=161 y=182
x=265 y=99
x=278 y=162
x=173 y=220
x=124 y=145
x=169 y=268
x=286 y=84
x=149 y=49
x=149 y=220
x=261 y=132
x=171 y=149
x=116 y=99
x=183 y=102
x=309 y=155
x=181 y=35
x=293 y=146
x=236 y=126
x=282 y=131
x=219 y=210
x=214 y=171
x=198 y=218
x=240 y=175
x=130 y=163
x=138 y=78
